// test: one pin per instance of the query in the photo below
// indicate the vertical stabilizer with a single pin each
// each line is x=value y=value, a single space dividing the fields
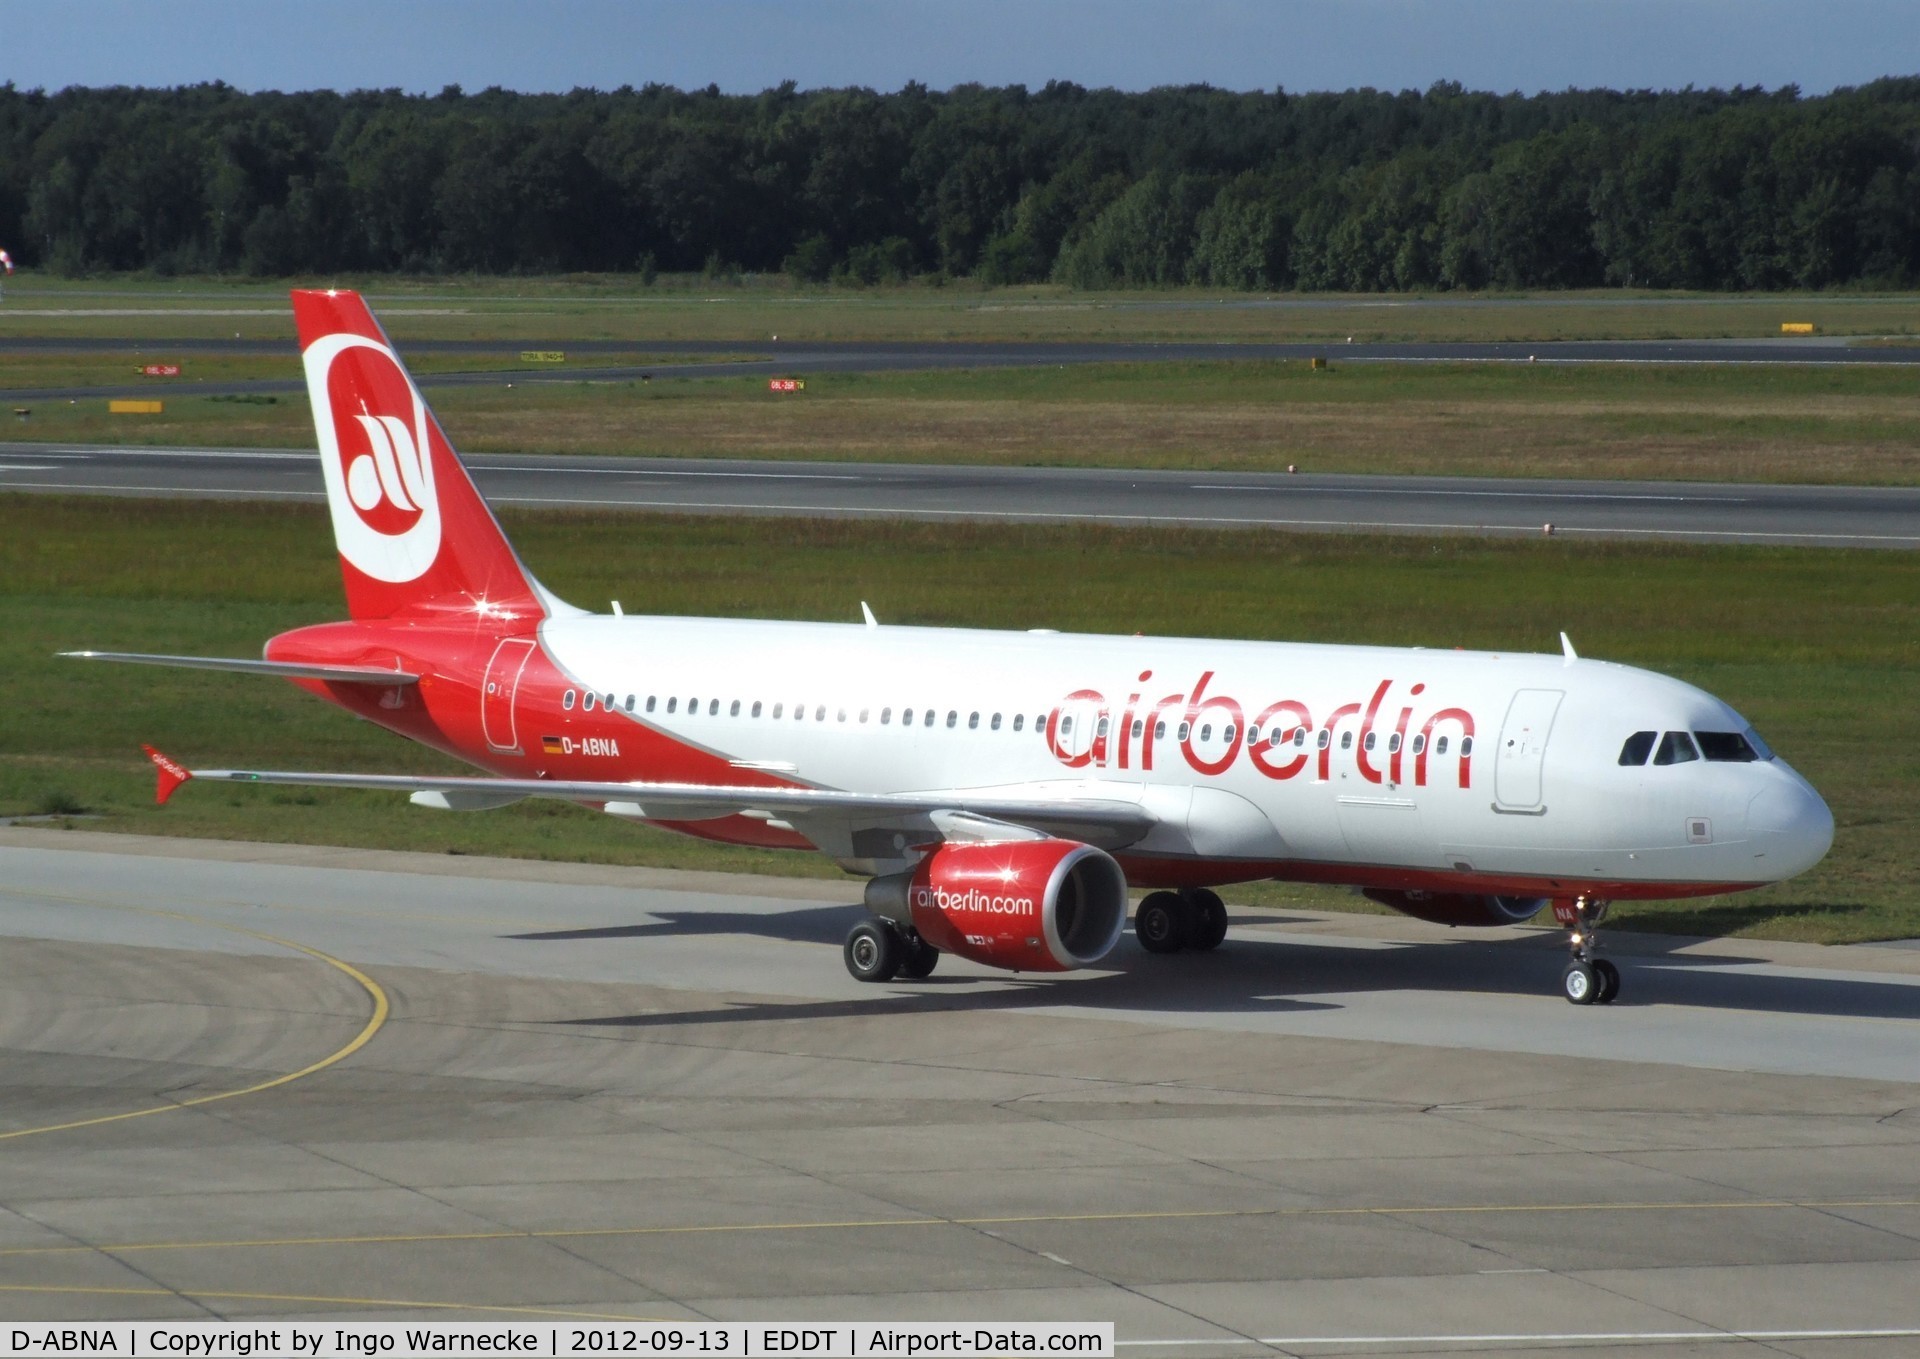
x=413 y=533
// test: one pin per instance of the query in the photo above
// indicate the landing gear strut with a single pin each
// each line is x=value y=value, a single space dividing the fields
x=878 y=951
x=1167 y=922
x=1588 y=980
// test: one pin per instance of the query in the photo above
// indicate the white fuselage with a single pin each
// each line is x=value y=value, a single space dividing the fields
x=1460 y=768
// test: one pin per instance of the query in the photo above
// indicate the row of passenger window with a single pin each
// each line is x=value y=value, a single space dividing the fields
x=1679 y=747
x=928 y=717
x=925 y=717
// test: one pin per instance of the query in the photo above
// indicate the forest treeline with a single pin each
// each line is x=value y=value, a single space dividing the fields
x=1359 y=191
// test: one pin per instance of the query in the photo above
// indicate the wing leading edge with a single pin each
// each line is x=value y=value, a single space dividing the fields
x=1122 y=822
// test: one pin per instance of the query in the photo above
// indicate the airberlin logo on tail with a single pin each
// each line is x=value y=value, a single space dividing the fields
x=387 y=483
x=376 y=455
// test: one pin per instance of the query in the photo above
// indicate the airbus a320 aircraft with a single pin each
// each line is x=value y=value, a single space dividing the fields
x=1001 y=790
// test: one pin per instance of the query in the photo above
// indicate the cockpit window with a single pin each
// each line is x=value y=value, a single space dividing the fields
x=1638 y=747
x=1676 y=747
x=1726 y=746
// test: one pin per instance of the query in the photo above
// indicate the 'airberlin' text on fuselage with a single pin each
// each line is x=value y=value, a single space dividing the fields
x=1281 y=740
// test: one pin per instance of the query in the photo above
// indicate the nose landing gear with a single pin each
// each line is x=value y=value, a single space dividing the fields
x=1588 y=980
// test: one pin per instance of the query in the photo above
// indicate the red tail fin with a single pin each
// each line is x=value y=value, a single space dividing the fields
x=413 y=533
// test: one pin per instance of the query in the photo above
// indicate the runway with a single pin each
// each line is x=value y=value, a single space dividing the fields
x=1833 y=516
x=770 y=357
x=255 y=1080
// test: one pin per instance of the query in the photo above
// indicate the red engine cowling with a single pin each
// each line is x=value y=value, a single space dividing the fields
x=1458 y=908
x=1025 y=905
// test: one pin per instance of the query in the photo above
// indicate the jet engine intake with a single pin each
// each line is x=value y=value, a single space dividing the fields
x=1459 y=908
x=1025 y=905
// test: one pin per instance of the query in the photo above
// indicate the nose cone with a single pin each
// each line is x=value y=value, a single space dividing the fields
x=1790 y=824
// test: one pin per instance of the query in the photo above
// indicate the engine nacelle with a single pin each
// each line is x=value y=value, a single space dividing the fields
x=1458 y=908
x=1025 y=905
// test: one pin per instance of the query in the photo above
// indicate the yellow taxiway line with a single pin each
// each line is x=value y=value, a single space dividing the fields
x=1037 y=1219
x=185 y=1293
x=375 y=1022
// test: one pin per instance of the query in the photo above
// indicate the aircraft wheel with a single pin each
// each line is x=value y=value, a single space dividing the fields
x=1162 y=923
x=1609 y=977
x=874 y=951
x=919 y=959
x=1580 y=983
x=1209 y=918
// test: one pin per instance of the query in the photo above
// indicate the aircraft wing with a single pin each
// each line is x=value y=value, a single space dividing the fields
x=334 y=674
x=1113 y=821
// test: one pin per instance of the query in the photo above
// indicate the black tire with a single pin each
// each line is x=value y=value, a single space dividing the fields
x=1609 y=976
x=874 y=951
x=919 y=959
x=1162 y=923
x=1209 y=916
x=1580 y=984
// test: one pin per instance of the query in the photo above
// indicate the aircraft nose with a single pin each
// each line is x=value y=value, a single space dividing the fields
x=1793 y=824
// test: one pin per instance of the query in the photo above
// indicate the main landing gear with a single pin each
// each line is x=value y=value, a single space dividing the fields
x=1588 y=980
x=1193 y=917
x=878 y=951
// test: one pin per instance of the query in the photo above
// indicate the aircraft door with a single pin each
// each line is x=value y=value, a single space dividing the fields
x=496 y=695
x=1518 y=762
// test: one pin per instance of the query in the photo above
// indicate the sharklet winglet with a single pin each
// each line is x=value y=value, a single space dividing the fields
x=171 y=775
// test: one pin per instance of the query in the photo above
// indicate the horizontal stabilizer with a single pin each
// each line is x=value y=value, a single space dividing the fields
x=333 y=674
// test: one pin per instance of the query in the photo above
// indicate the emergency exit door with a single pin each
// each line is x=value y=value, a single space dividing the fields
x=496 y=695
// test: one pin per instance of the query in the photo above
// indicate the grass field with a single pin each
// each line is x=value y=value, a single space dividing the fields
x=1703 y=423
x=619 y=308
x=1819 y=649
x=121 y=368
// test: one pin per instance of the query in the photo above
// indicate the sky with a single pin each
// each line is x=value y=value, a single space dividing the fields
x=745 y=46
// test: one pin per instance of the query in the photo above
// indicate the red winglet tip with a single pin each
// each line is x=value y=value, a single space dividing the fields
x=172 y=775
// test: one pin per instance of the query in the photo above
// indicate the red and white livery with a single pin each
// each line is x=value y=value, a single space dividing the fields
x=1002 y=789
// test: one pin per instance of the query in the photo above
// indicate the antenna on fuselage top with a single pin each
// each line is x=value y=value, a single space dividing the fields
x=867 y=614
x=1566 y=649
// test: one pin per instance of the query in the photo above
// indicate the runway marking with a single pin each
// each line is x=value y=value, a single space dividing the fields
x=184 y=492
x=231 y=454
x=375 y=1022
x=1543 y=1338
x=1177 y=520
x=1488 y=495
x=1038 y=1219
x=1031 y=516
x=183 y=1293
x=485 y=467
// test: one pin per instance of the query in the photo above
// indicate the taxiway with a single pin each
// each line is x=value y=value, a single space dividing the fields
x=255 y=1080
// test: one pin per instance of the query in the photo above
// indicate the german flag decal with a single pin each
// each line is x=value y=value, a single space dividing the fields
x=553 y=745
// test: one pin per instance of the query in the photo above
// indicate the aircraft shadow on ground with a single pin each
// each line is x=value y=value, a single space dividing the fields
x=1255 y=973
x=807 y=925
x=1723 y=918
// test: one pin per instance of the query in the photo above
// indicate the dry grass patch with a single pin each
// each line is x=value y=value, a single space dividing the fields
x=1707 y=423
x=1649 y=440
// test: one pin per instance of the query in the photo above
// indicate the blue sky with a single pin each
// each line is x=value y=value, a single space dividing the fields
x=749 y=45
